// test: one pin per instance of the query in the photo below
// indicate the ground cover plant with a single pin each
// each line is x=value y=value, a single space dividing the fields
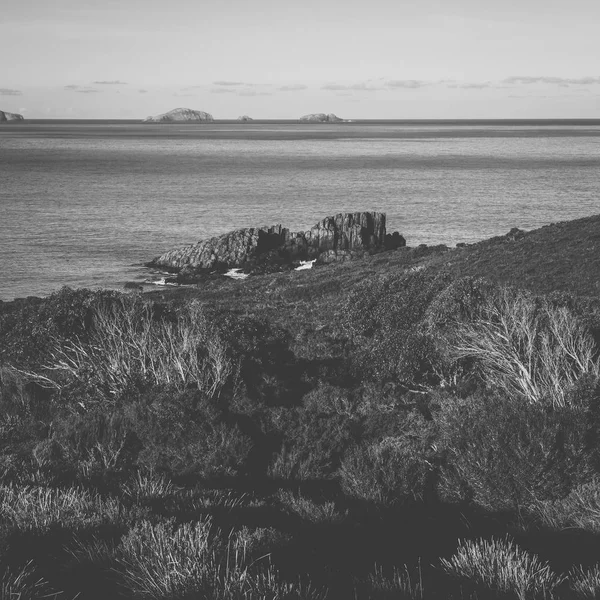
x=413 y=424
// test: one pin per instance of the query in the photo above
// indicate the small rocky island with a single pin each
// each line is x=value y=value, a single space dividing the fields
x=265 y=249
x=8 y=116
x=245 y=119
x=181 y=115
x=321 y=118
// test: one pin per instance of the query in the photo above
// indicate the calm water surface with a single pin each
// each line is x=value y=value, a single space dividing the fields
x=85 y=204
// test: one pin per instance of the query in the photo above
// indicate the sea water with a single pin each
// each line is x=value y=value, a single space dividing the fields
x=87 y=203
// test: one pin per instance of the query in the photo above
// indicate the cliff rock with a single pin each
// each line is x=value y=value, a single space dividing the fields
x=245 y=119
x=321 y=118
x=7 y=116
x=345 y=234
x=179 y=115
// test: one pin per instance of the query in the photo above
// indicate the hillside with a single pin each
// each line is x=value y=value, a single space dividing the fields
x=401 y=425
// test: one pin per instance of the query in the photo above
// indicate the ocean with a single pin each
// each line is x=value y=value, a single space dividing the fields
x=86 y=203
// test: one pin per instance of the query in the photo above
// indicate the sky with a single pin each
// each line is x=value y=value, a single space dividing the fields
x=281 y=59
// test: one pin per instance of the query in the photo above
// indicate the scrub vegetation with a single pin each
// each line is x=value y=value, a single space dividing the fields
x=412 y=425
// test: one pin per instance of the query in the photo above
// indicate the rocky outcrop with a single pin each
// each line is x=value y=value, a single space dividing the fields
x=7 y=116
x=245 y=119
x=181 y=115
x=321 y=118
x=345 y=234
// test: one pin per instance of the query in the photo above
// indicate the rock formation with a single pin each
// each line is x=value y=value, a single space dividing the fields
x=245 y=119
x=7 y=116
x=321 y=118
x=340 y=237
x=180 y=115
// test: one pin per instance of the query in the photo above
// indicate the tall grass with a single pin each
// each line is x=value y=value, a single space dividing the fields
x=130 y=346
x=165 y=562
x=502 y=567
x=527 y=348
x=25 y=584
x=40 y=508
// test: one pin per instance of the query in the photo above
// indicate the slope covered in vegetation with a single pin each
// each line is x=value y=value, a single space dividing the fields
x=422 y=423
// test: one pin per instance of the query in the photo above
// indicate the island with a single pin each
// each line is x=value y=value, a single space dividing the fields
x=8 y=116
x=321 y=118
x=181 y=115
x=245 y=119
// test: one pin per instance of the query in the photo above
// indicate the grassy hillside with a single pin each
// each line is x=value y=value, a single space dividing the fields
x=422 y=423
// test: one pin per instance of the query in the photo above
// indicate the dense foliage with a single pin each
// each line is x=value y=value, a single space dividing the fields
x=422 y=436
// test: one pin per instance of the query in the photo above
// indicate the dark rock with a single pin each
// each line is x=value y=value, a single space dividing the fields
x=7 y=116
x=394 y=241
x=178 y=115
x=263 y=248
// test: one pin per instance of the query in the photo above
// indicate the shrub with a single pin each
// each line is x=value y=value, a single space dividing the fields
x=130 y=347
x=526 y=348
x=384 y=318
x=580 y=509
x=393 y=469
x=502 y=567
x=185 y=434
x=501 y=455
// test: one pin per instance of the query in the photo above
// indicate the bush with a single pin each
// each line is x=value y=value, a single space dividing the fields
x=580 y=509
x=502 y=567
x=131 y=347
x=185 y=434
x=527 y=348
x=393 y=469
x=385 y=321
x=502 y=454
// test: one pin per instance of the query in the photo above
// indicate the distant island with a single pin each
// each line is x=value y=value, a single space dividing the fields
x=245 y=119
x=181 y=115
x=321 y=118
x=8 y=116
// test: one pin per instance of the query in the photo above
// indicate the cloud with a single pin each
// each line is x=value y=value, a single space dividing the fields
x=409 y=84
x=253 y=93
x=562 y=81
x=357 y=87
x=292 y=87
x=222 y=91
x=9 y=92
x=81 y=89
x=470 y=86
x=110 y=82
x=229 y=83
x=142 y=91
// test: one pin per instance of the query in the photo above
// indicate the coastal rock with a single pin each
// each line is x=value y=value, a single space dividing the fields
x=321 y=118
x=351 y=233
x=8 y=116
x=179 y=115
x=245 y=119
